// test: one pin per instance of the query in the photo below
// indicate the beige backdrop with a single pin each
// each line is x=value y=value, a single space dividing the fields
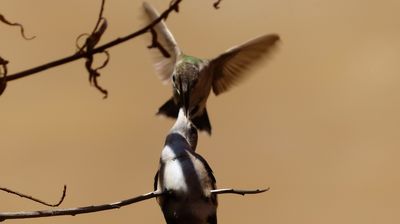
x=319 y=123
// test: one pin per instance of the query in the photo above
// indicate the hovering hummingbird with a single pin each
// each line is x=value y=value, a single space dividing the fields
x=194 y=78
x=187 y=178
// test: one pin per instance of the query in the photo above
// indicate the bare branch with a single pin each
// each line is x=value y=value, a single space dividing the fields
x=98 y=49
x=4 y=20
x=156 y=44
x=216 y=4
x=3 y=73
x=103 y=207
x=94 y=74
x=242 y=192
x=79 y=210
x=91 y=41
x=105 y=63
x=35 y=199
x=103 y=2
x=94 y=37
x=175 y=7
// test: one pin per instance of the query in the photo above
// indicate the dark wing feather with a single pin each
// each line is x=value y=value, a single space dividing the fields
x=208 y=169
x=212 y=219
x=210 y=174
x=155 y=183
x=164 y=66
x=230 y=67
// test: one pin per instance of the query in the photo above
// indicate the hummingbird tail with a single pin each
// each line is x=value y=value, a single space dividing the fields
x=202 y=122
x=169 y=109
x=212 y=219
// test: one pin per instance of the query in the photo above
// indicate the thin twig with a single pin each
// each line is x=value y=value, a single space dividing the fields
x=3 y=73
x=79 y=210
x=101 y=48
x=241 y=192
x=4 y=20
x=176 y=7
x=103 y=2
x=35 y=199
x=91 y=41
x=94 y=37
x=156 y=44
x=216 y=4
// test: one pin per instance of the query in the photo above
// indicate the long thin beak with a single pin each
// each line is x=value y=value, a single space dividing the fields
x=185 y=98
x=187 y=101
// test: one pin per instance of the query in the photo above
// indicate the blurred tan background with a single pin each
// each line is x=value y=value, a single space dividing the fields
x=319 y=123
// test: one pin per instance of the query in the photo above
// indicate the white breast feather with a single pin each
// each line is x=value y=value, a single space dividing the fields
x=173 y=176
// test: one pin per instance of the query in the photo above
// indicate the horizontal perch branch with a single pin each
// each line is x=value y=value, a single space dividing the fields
x=76 y=211
x=97 y=208
x=242 y=192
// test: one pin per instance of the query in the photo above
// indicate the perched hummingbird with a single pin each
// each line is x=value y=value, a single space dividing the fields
x=187 y=178
x=194 y=78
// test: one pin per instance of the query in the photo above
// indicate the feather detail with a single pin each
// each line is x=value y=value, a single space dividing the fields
x=163 y=66
x=229 y=68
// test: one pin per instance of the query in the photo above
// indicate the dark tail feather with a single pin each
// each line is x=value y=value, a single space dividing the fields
x=202 y=122
x=169 y=109
x=212 y=219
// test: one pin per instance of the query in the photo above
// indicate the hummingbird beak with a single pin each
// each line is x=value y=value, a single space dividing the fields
x=185 y=97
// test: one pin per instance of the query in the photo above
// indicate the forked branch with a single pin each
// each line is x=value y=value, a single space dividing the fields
x=36 y=199
x=97 y=208
x=76 y=211
x=3 y=73
x=91 y=41
x=89 y=49
x=102 y=48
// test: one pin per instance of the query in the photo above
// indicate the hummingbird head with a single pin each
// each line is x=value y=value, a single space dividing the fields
x=184 y=79
x=184 y=127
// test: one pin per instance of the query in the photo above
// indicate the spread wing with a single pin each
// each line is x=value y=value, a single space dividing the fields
x=230 y=67
x=164 y=66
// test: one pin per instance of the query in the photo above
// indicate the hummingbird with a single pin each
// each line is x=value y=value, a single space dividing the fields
x=194 y=77
x=187 y=178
